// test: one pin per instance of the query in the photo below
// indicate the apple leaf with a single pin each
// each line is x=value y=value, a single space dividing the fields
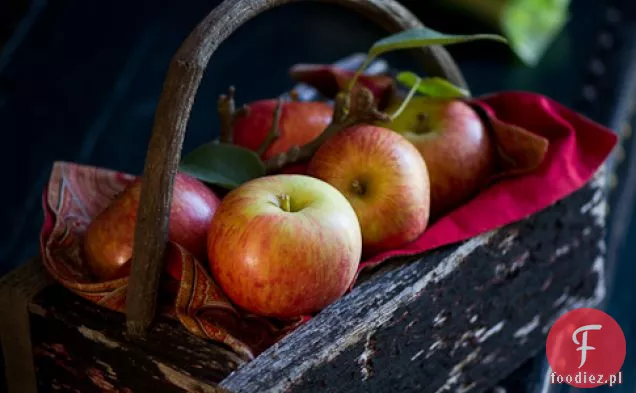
x=222 y=164
x=417 y=38
x=420 y=37
x=434 y=87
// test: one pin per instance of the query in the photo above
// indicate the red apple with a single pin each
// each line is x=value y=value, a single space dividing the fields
x=300 y=123
x=284 y=245
x=457 y=148
x=384 y=178
x=108 y=242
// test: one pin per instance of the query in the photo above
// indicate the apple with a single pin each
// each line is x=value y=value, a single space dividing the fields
x=384 y=178
x=457 y=147
x=108 y=241
x=300 y=123
x=284 y=245
x=329 y=80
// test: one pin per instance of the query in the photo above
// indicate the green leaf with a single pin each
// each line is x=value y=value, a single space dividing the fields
x=531 y=26
x=434 y=87
x=420 y=37
x=223 y=164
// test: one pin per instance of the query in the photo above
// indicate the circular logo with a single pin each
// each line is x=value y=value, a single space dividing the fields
x=585 y=349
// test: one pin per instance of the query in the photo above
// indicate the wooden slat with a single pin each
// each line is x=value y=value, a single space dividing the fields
x=78 y=345
x=16 y=290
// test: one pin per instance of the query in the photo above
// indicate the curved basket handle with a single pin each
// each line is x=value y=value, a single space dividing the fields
x=171 y=118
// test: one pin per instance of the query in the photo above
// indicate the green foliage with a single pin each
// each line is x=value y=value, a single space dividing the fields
x=223 y=164
x=417 y=38
x=433 y=87
x=421 y=37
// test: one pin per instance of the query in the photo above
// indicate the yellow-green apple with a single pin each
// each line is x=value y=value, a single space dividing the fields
x=384 y=178
x=284 y=245
x=455 y=144
x=300 y=123
x=108 y=241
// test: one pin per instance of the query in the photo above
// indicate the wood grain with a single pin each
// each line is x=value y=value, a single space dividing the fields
x=78 y=346
x=173 y=111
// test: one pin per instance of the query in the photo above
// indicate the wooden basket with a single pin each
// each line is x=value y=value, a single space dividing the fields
x=171 y=119
x=456 y=319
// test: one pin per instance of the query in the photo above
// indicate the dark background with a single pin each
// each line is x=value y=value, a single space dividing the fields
x=79 y=81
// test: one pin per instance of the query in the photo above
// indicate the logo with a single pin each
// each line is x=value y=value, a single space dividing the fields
x=585 y=349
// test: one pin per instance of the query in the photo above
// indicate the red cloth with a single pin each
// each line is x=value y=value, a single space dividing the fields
x=535 y=179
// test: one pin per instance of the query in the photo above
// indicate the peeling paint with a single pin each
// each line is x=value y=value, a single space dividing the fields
x=107 y=368
x=456 y=372
x=98 y=337
x=562 y=251
x=483 y=335
x=462 y=341
x=602 y=247
x=417 y=355
x=507 y=243
x=572 y=302
x=185 y=381
x=526 y=329
x=464 y=389
x=434 y=347
x=37 y=310
x=597 y=207
x=520 y=261
x=98 y=378
x=491 y=357
x=439 y=319
x=364 y=360
x=562 y=299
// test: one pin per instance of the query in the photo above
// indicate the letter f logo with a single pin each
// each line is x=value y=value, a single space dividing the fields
x=583 y=344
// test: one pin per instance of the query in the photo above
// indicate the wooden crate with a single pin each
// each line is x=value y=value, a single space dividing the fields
x=458 y=319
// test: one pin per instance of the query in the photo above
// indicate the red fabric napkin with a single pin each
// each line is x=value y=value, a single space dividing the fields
x=576 y=148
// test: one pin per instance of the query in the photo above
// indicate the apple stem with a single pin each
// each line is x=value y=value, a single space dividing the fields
x=226 y=108
x=406 y=100
x=294 y=96
x=285 y=202
x=274 y=131
x=365 y=64
x=240 y=112
x=348 y=111
x=358 y=187
x=228 y=113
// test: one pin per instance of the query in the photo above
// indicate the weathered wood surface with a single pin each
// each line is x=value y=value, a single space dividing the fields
x=16 y=290
x=79 y=346
x=458 y=320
